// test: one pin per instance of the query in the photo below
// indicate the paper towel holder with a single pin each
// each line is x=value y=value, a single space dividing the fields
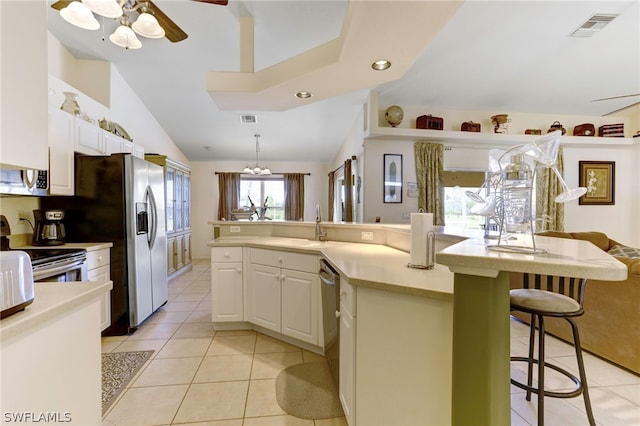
x=431 y=253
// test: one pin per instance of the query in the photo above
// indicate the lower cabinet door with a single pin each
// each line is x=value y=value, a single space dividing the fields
x=226 y=292
x=347 y=391
x=263 y=296
x=102 y=274
x=300 y=305
x=172 y=255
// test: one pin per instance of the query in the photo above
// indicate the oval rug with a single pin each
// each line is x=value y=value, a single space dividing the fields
x=307 y=391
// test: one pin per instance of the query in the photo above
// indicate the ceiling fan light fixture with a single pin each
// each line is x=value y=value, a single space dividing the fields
x=147 y=26
x=256 y=169
x=78 y=14
x=124 y=36
x=106 y=8
x=381 y=65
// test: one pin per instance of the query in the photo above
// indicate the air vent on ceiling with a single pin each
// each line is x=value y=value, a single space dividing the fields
x=248 y=118
x=593 y=25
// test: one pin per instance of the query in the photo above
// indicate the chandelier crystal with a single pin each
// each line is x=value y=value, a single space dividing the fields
x=256 y=169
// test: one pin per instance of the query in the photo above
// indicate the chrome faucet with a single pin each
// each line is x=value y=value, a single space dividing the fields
x=320 y=233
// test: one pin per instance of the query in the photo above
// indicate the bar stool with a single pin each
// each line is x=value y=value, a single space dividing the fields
x=562 y=298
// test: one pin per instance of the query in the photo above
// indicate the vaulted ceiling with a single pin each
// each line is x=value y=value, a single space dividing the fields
x=511 y=55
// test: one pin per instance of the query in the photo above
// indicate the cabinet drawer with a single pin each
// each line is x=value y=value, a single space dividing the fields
x=226 y=254
x=97 y=258
x=99 y=274
x=348 y=296
x=285 y=259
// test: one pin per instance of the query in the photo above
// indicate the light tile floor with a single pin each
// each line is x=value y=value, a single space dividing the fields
x=198 y=376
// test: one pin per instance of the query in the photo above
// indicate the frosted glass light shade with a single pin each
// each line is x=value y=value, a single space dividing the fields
x=76 y=13
x=147 y=25
x=106 y=8
x=124 y=36
x=265 y=171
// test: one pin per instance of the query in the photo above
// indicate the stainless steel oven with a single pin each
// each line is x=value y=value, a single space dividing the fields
x=58 y=265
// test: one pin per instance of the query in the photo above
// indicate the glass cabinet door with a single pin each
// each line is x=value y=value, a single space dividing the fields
x=178 y=187
x=171 y=199
x=186 y=201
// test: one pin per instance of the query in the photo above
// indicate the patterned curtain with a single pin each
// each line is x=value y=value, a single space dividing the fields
x=332 y=194
x=430 y=176
x=547 y=188
x=294 y=196
x=348 y=192
x=229 y=197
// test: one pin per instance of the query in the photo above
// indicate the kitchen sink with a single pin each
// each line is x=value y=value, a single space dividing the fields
x=304 y=243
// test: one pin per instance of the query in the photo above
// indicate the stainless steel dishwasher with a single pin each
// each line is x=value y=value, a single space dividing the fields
x=330 y=286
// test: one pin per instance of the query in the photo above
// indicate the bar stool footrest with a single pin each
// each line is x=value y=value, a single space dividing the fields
x=554 y=394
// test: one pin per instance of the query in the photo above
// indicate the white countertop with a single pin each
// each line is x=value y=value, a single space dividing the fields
x=564 y=257
x=51 y=300
x=367 y=265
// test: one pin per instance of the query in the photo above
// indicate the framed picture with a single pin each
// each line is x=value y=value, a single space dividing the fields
x=599 y=177
x=392 y=178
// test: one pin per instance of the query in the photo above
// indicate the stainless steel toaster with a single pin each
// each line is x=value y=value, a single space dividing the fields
x=16 y=282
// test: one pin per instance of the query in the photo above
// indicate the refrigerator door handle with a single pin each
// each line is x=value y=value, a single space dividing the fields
x=153 y=210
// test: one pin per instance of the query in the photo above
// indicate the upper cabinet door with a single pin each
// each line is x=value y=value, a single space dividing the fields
x=23 y=80
x=186 y=200
x=179 y=208
x=171 y=199
x=61 y=167
x=89 y=139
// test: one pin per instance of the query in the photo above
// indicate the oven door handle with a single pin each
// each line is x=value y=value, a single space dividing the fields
x=44 y=273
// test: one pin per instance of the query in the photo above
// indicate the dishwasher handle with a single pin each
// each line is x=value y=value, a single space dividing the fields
x=327 y=274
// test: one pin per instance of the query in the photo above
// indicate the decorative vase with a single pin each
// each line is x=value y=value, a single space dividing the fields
x=70 y=103
x=501 y=123
x=394 y=115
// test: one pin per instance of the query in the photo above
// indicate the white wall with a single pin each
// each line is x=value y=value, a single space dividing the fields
x=204 y=194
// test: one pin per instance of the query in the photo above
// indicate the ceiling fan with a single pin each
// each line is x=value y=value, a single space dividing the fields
x=172 y=31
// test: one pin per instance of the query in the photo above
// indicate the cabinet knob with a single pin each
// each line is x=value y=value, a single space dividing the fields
x=99 y=257
x=337 y=314
x=343 y=293
x=226 y=254
x=238 y=270
x=280 y=259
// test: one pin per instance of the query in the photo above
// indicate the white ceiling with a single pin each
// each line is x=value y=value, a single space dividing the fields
x=514 y=56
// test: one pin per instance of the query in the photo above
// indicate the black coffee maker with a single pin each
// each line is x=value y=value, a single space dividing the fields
x=49 y=229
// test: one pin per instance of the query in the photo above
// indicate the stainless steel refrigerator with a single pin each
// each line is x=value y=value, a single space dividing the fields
x=120 y=199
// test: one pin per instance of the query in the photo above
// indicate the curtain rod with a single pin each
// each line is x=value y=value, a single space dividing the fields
x=341 y=166
x=306 y=174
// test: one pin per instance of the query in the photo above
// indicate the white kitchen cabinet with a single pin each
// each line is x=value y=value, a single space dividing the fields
x=347 y=370
x=23 y=84
x=264 y=296
x=114 y=144
x=227 y=284
x=88 y=138
x=283 y=293
x=61 y=143
x=98 y=264
x=300 y=305
x=172 y=255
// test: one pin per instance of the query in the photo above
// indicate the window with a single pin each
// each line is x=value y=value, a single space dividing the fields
x=456 y=203
x=255 y=191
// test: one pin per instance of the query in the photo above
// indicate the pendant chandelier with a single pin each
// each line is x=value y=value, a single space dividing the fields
x=256 y=169
x=80 y=13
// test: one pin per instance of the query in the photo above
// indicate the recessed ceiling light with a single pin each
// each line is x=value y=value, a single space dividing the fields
x=381 y=65
x=303 y=95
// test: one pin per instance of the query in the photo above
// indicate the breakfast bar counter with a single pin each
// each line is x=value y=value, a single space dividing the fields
x=50 y=356
x=481 y=373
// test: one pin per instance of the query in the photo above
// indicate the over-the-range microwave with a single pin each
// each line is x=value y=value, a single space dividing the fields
x=24 y=182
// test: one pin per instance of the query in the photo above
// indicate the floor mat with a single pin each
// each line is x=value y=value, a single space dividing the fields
x=118 y=368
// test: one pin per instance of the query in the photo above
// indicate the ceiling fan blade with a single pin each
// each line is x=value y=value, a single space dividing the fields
x=60 y=4
x=616 y=97
x=218 y=2
x=620 y=109
x=173 y=32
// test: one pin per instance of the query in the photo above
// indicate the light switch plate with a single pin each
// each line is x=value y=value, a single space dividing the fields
x=234 y=229
x=367 y=236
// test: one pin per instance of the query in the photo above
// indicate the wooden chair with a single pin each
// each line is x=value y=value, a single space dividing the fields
x=551 y=296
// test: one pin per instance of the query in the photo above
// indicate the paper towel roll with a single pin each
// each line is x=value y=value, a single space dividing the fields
x=421 y=223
